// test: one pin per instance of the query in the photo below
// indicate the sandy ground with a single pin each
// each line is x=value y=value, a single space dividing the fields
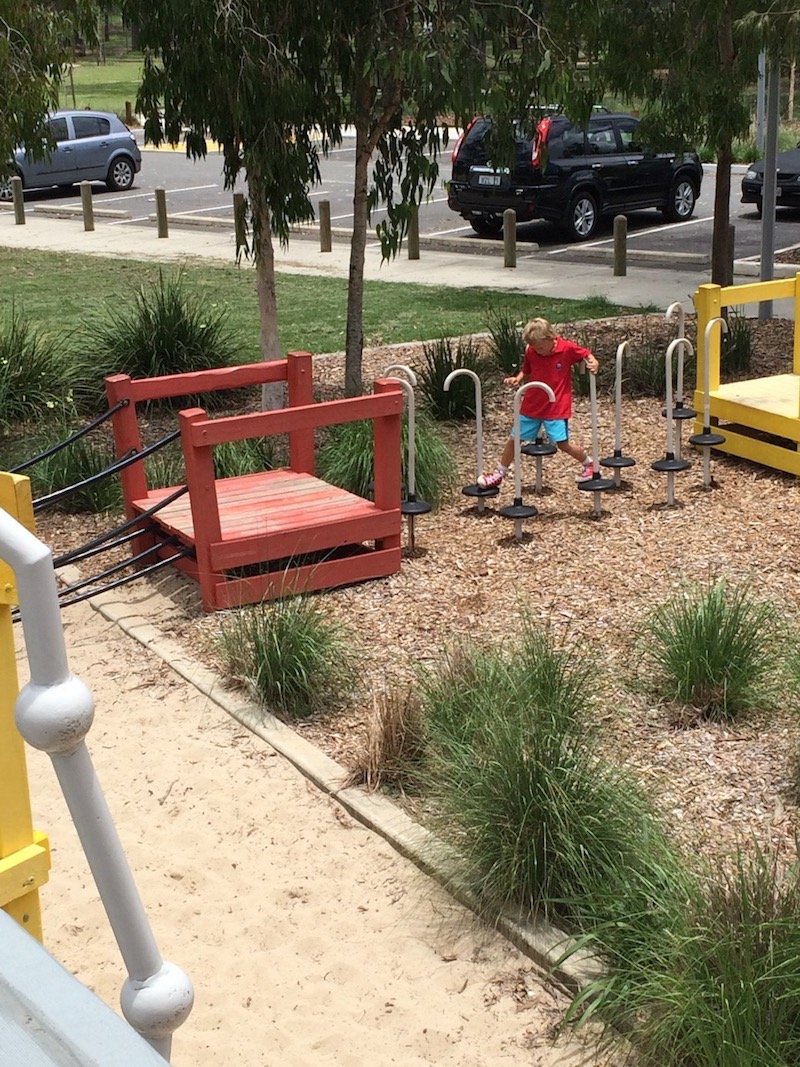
x=308 y=939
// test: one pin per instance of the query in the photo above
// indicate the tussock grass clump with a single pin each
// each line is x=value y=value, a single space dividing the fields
x=726 y=988
x=716 y=650
x=78 y=461
x=539 y=819
x=737 y=344
x=346 y=455
x=441 y=358
x=169 y=329
x=36 y=375
x=234 y=458
x=506 y=347
x=292 y=657
x=393 y=751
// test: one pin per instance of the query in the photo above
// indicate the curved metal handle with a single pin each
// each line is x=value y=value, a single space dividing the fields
x=623 y=349
x=682 y=344
x=478 y=411
x=391 y=371
x=707 y=365
x=408 y=389
x=678 y=311
x=551 y=396
x=679 y=343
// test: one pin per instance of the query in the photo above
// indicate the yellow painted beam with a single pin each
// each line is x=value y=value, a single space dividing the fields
x=24 y=854
x=757 y=451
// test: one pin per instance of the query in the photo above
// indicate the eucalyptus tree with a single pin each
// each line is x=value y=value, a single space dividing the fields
x=34 y=51
x=689 y=62
x=405 y=69
x=250 y=75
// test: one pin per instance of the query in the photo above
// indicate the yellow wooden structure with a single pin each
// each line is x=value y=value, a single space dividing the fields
x=24 y=852
x=760 y=418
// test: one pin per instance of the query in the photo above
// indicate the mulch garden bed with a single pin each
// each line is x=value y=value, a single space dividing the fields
x=593 y=579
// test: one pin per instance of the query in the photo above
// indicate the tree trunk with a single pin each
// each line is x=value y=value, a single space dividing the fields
x=721 y=252
x=272 y=396
x=790 y=100
x=354 y=344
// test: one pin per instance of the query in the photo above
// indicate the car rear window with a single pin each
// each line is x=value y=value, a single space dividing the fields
x=90 y=126
x=569 y=141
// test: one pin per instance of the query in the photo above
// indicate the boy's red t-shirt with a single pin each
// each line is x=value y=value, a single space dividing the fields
x=554 y=370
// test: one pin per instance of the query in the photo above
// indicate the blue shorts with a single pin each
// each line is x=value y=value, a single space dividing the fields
x=556 y=429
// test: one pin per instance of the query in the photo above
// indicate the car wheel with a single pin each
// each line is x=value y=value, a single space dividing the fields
x=582 y=217
x=682 y=198
x=487 y=225
x=120 y=174
x=6 y=189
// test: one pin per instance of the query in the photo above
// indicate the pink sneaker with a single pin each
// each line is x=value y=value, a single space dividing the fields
x=587 y=470
x=489 y=481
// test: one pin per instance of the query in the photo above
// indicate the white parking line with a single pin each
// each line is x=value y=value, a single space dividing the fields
x=637 y=233
x=199 y=211
x=442 y=233
x=133 y=196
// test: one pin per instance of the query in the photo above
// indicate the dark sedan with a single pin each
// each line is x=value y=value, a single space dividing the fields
x=788 y=187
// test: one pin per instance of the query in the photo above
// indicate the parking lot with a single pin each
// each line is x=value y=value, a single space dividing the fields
x=195 y=191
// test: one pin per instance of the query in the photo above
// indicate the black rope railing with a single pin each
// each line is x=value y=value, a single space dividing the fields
x=98 y=544
x=125 y=580
x=113 y=468
x=121 y=565
x=69 y=440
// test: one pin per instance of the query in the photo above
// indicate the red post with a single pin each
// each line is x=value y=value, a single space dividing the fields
x=299 y=375
x=126 y=439
x=200 y=478
x=387 y=448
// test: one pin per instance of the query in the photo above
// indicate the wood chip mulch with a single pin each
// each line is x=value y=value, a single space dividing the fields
x=595 y=580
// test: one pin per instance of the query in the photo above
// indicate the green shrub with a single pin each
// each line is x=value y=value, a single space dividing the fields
x=441 y=358
x=507 y=347
x=36 y=376
x=234 y=458
x=71 y=465
x=716 y=650
x=168 y=330
x=166 y=467
x=537 y=817
x=345 y=458
x=294 y=659
x=737 y=344
x=724 y=991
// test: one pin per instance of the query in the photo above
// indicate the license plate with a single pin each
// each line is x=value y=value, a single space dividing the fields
x=489 y=179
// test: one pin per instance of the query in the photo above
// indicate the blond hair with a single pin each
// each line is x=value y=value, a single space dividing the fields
x=538 y=330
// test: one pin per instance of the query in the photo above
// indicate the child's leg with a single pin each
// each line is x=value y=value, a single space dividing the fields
x=572 y=448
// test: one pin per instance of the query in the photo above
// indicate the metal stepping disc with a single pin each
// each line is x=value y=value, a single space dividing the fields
x=482 y=492
x=706 y=439
x=518 y=510
x=617 y=462
x=670 y=464
x=538 y=448
x=596 y=484
x=415 y=507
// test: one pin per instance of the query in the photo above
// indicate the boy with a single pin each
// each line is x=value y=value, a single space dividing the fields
x=549 y=359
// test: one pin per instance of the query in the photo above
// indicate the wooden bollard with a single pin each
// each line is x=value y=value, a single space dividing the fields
x=87 y=206
x=19 y=203
x=161 y=212
x=128 y=113
x=620 y=246
x=239 y=220
x=413 y=233
x=325 y=240
x=509 y=237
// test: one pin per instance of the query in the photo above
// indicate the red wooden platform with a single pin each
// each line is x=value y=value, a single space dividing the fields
x=288 y=530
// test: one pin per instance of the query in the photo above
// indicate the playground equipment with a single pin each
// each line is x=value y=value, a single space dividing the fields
x=410 y=506
x=539 y=449
x=54 y=713
x=708 y=439
x=266 y=534
x=680 y=412
x=596 y=484
x=618 y=462
x=518 y=510
x=475 y=491
x=759 y=418
x=671 y=464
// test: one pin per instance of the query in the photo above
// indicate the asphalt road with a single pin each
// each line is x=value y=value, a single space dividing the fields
x=195 y=190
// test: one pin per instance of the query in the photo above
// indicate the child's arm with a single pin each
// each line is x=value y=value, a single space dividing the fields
x=592 y=364
x=515 y=379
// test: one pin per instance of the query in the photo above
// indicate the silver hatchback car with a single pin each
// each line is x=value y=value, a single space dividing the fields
x=85 y=146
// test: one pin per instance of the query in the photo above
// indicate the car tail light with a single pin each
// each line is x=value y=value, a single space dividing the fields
x=460 y=141
x=540 y=141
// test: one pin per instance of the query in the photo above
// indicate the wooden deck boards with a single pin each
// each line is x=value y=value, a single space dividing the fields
x=777 y=395
x=272 y=514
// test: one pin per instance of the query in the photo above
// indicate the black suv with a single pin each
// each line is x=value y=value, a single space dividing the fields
x=570 y=176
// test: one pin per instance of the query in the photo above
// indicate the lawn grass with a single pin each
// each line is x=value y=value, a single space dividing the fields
x=61 y=293
x=102 y=86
